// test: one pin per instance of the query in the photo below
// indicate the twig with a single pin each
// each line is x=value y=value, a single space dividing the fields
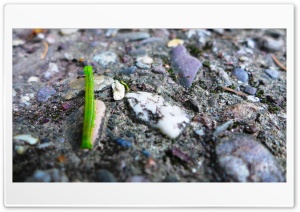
x=236 y=92
x=277 y=62
x=45 y=50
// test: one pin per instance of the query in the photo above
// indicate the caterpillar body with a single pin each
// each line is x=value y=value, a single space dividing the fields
x=89 y=109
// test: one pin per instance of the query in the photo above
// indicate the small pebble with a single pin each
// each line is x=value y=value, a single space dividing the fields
x=52 y=69
x=41 y=176
x=133 y=36
x=45 y=145
x=251 y=129
x=25 y=99
x=118 y=90
x=27 y=138
x=151 y=41
x=18 y=42
x=250 y=90
x=21 y=149
x=33 y=79
x=253 y=99
x=222 y=127
x=45 y=140
x=52 y=175
x=128 y=71
x=68 y=31
x=171 y=179
x=61 y=139
x=175 y=42
x=137 y=179
x=14 y=93
x=243 y=58
x=105 y=58
x=111 y=32
x=100 y=82
x=145 y=60
x=185 y=65
x=200 y=132
x=271 y=44
x=142 y=65
x=146 y=153
x=240 y=74
x=272 y=73
x=123 y=143
x=103 y=175
x=159 y=70
x=45 y=93
x=66 y=106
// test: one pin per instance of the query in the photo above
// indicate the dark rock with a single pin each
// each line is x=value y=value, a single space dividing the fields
x=185 y=65
x=246 y=160
x=137 y=179
x=45 y=140
x=133 y=36
x=272 y=73
x=143 y=66
x=122 y=142
x=171 y=179
x=250 y=129
x=151 y=41
x=103 y=175
x=45 y=93
x=41 y=176
x=159 y=70
x=240 y=74
x=250 y=90
x=137 y=52
x=271 y=44
x=128 y=71
x=51 y=175
x=241 y=112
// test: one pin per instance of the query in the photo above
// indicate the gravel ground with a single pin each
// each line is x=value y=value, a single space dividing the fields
x=187 y=105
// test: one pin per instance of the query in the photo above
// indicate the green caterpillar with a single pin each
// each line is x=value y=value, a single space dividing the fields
x=89 y=109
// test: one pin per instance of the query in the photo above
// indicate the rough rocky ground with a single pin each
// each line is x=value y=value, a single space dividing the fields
x=236 y=104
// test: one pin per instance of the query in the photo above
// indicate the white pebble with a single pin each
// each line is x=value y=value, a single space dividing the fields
x=18 y=42
x=52 y=69
x=251 y=98
x=14 y=93
x=27 y=138
x=21 y=149
x=68 y=31
x=33 y=79
x=171 y=120
x=44 y=145
x=118 y=90
x=145 y=60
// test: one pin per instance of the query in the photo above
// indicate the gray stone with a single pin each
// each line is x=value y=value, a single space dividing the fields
x=159 y=70
x=272 y=73
x=133 y=36
x=104 y=175
x=250 y=90
x=246 y=160
x=143 y=65
x=41 y=176
x=105 y=58
x=128 y=71
x=240 y=74
x=271 y=44
x=45 y=93
x=185 y=65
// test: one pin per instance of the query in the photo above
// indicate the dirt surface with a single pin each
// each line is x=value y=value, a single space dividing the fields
x=240 y=90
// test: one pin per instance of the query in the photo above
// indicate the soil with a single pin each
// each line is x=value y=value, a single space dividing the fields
x=211 y=101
